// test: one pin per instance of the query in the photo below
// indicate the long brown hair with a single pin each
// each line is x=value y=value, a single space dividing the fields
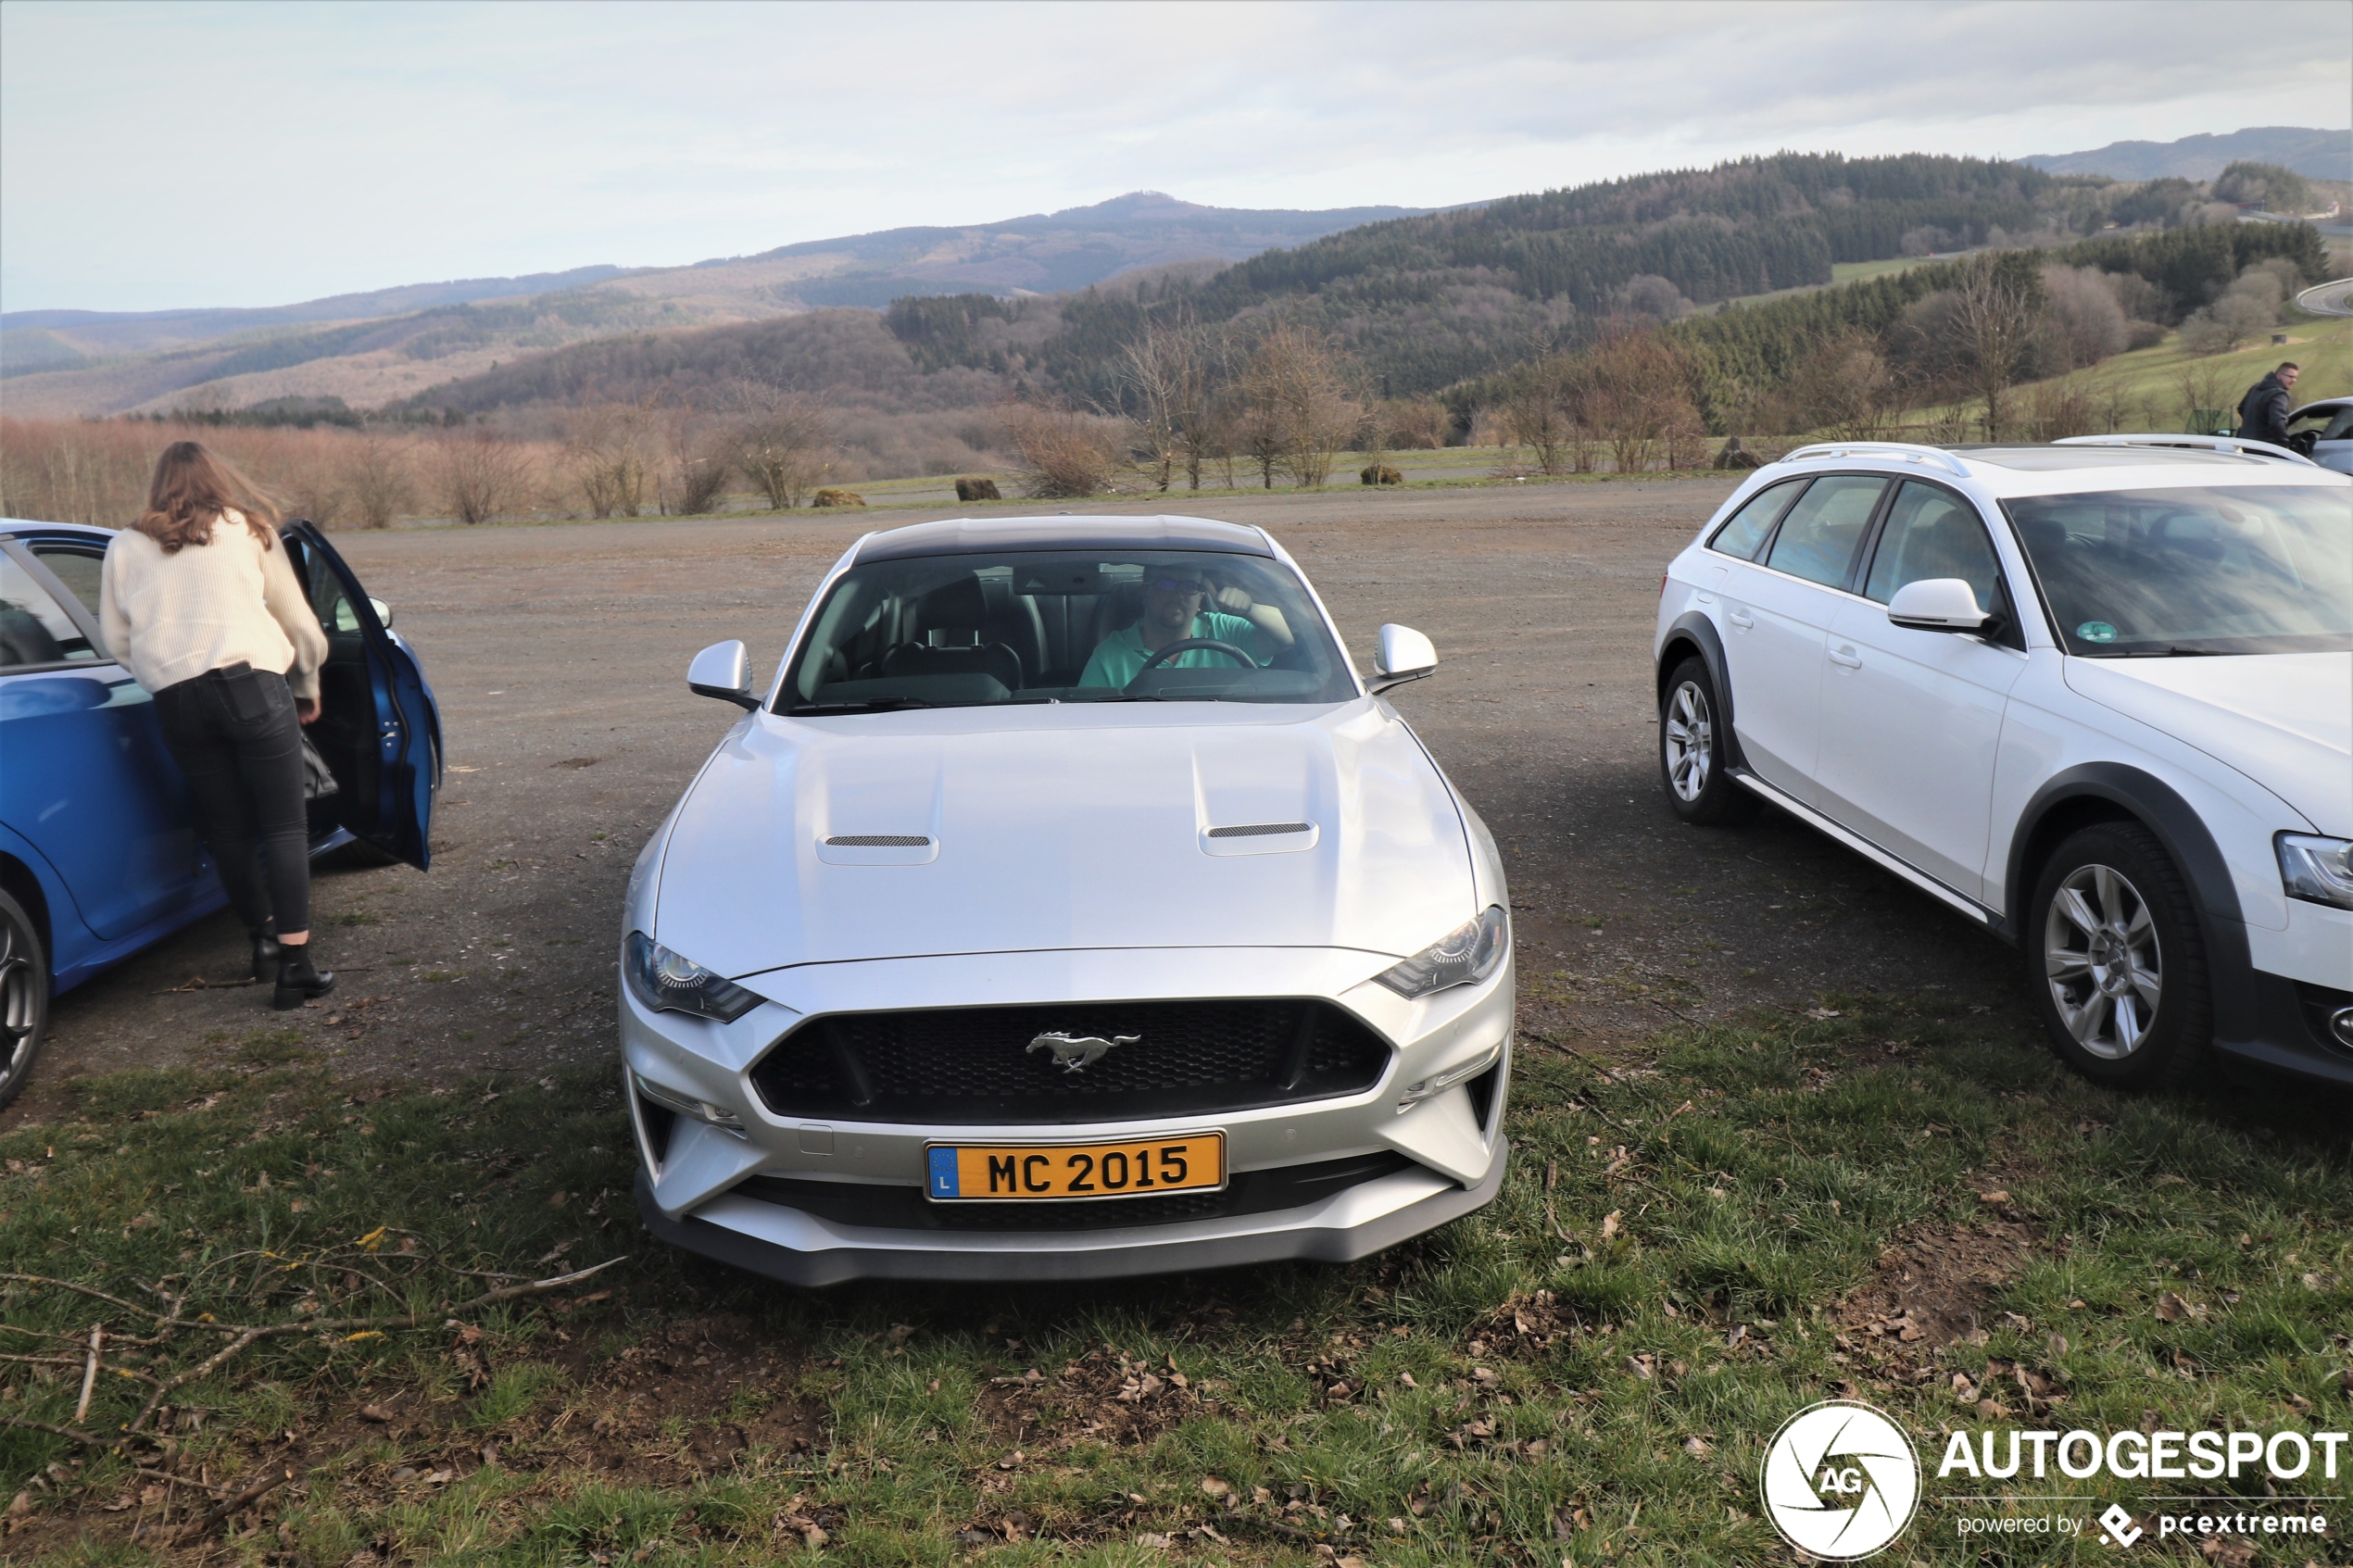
x=194 y=486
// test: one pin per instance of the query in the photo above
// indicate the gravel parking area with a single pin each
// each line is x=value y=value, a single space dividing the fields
x=560 y=654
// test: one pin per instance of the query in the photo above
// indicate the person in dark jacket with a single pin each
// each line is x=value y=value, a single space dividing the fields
x=2263 y=411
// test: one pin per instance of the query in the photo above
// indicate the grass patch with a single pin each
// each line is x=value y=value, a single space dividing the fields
x=1904 y=1200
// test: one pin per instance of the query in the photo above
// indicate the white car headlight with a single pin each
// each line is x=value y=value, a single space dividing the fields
x=2317 y=869
x=667 y=982
x=1469 y=952
x=687 y=1106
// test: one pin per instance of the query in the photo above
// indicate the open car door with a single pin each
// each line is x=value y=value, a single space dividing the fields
x=379 y=727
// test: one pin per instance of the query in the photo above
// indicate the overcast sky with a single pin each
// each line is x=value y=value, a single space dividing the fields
x=160 y=156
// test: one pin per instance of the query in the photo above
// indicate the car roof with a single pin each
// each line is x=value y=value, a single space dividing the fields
x=965 y=535
x=80 y=530
x=2021 y=469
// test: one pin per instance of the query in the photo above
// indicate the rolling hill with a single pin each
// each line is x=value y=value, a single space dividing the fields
x=380 y=347
x=2316 y=154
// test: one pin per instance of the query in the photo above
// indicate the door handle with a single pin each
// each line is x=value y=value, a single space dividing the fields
x=1740 y=618
x=1846 y=659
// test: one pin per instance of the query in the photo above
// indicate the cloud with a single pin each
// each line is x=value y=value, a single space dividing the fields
x=156 y=155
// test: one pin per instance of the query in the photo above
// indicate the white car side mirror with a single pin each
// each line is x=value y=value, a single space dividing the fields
x=383 y=611
x=1937 y=604
x=724 y=670
x=1406 y=655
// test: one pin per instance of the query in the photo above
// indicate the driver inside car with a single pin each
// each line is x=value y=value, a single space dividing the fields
x=1175 y=609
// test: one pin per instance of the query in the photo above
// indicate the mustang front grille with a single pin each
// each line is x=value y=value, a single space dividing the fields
x=967 y=1066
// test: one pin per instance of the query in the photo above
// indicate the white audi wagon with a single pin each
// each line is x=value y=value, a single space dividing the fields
x=1067 y=907
x=2097 y=697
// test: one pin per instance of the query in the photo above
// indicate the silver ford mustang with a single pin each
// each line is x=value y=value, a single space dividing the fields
x=1068 y=908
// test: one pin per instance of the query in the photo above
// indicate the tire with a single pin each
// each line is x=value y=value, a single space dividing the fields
x=2116 y=962
x=24 y=997
x=1691 y=749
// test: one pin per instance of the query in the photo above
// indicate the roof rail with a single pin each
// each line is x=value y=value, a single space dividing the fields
x=1908 y=451
x=2229 y=444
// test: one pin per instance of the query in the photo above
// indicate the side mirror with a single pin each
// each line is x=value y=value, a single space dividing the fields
x=1406 y=655
x=1937 y=604
x=383 y=611
x=724 y=670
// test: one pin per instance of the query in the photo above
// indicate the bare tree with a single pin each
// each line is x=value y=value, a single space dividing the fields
x=1064 y=453
x=1845 y=386
x=479 y=474
x=1995 y=313
x=1636 y=392
x=1301 y=413
x=376 y=477
x=612 y=449
x=781 y=441
x=1536 y=417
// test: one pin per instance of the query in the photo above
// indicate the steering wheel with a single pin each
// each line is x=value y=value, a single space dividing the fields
x=1181 y=644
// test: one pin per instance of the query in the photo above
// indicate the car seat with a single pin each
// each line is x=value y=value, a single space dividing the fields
x=948 y=622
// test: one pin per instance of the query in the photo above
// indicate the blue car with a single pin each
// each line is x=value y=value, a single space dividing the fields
x=99 y=858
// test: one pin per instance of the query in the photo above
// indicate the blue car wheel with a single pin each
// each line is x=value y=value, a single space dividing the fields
x=24 y=997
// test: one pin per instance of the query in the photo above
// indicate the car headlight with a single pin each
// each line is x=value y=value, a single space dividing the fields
x=687 y=1106
x=1469 y=952
x=2317 y=869
x=668 y=982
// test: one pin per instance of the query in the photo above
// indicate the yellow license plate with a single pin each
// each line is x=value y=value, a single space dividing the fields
x=1135 y=1168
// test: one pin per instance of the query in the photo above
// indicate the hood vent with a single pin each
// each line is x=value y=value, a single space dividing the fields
x=918 y=841
x=1261 y=830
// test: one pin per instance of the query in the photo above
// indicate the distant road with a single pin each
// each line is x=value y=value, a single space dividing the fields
x=2329 y=299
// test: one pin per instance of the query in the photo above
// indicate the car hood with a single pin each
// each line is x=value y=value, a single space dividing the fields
x=1063 y=828
x=2285 y=720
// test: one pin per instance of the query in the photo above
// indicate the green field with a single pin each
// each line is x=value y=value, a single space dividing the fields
x=1902 y=1200
x=1841 y=273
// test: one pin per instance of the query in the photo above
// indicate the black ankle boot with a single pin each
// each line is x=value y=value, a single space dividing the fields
x=265 y=954
x=298 y=980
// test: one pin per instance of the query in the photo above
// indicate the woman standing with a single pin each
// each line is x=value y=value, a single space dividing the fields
x=201 y=602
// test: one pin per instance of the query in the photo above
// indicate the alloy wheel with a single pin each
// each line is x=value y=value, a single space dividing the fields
x=19 y=1000
x=1690 y=740
x=2101 y=958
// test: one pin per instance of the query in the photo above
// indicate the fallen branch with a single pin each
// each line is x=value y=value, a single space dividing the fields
x=56 y=1431
x=90 y=1373
x=86 y=1290
x=248 y=1336
x=228 y=1506
x=179 y=1480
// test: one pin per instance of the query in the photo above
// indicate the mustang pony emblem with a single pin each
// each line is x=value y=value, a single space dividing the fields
x=1075 y=1053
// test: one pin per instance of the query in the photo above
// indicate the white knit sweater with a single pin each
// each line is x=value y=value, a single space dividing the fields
x=171 y=618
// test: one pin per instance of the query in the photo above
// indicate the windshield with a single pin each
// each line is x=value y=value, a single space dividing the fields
x=2253 y=569
x=968 y=631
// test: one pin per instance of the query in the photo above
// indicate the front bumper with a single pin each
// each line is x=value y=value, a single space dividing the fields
x=2274 y=997
x=817 y=1201
x=799 y=1249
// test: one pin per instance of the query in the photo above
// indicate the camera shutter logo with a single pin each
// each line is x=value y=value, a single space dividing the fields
x=1840 y=1480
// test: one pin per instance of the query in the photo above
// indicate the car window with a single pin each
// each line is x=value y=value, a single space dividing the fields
x=978 y=630
x=34 y=628
x=1818 y=540
x=79 y=570
x=1931 y=532
x=327 y=601
x=2210 y=569
x=1745 y=529
x=2340 y=426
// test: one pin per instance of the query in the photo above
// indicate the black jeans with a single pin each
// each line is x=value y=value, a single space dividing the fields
x=234 y=734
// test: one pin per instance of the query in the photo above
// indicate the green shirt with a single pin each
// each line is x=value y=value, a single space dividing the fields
x=1119 y=657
